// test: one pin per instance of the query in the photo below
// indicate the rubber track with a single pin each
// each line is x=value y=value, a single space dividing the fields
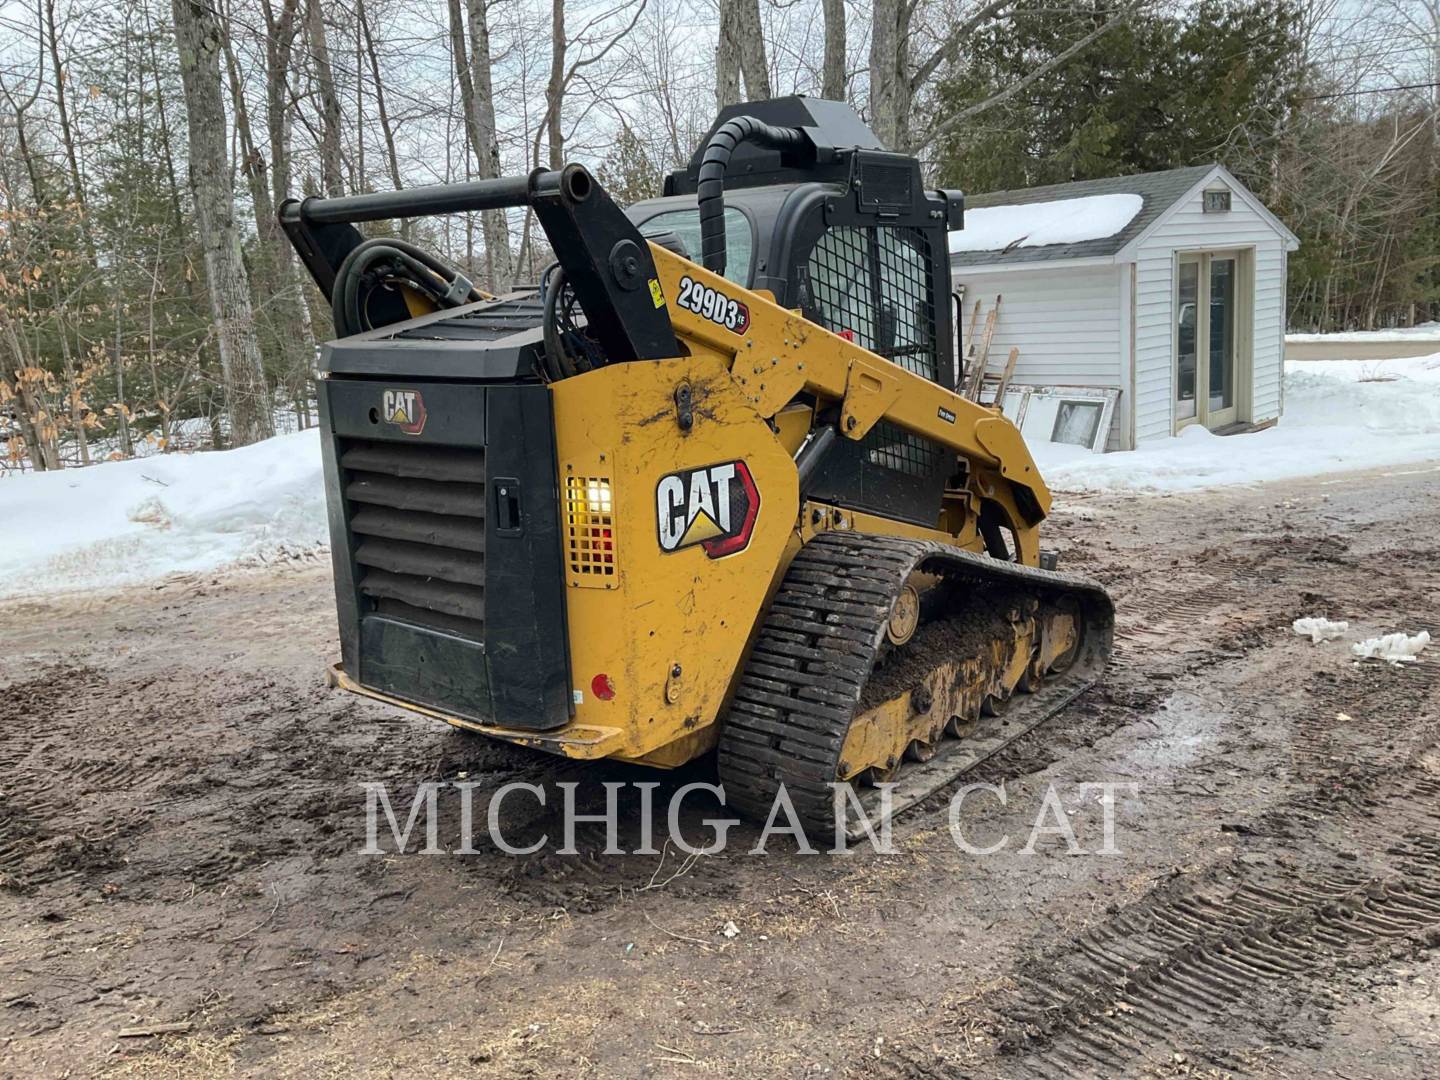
x=816 y=648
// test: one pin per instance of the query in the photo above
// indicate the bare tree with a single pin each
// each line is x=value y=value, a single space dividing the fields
x=832 y=71
x=387 y=131
x=198 y=41
x=477 y=97
x=67 y=130
x=740 y=51
x=331 y=163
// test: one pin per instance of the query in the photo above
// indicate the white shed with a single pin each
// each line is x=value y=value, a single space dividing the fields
x=1166 y=289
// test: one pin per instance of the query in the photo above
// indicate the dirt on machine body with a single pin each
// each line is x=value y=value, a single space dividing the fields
x=710 y=485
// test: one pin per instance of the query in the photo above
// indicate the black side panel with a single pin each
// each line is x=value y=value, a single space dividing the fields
x=346 y=608
x=526 y=647
x=444 y=522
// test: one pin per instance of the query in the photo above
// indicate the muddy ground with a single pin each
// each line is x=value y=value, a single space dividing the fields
x=181 y=823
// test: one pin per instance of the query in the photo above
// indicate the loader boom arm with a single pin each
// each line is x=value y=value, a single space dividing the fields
x=784 y=354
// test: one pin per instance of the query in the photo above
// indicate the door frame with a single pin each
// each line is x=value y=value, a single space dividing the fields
x=1242 y=325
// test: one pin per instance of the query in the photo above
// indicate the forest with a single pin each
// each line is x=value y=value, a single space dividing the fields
x=149 y=302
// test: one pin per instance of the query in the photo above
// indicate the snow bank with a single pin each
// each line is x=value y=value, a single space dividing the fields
x=1063 y=221
x=1402 y=333
x=1339 y=415
x=131 y=521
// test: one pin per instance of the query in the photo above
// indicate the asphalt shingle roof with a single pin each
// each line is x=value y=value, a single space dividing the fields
x=1159 y=190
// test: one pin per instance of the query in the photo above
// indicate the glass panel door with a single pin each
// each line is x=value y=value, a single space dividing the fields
x=1220 y=404
x=1208 y=361
x=1187 y=341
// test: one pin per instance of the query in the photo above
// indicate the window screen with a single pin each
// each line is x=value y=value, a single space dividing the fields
x=873 y=285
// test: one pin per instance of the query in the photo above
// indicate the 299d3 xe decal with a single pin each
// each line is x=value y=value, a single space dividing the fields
x=714 y=507
x=714 y=305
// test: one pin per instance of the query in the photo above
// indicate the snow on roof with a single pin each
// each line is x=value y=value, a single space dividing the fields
x=1062 y=221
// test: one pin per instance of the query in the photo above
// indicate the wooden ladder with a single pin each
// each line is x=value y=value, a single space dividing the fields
x=978 y=380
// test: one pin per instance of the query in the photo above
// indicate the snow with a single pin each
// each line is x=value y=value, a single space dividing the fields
x=1403 y=333
x=126 y=522
x=1063 y=221
x=1340 y=415
x=1398 y=648
x=129 y=522
x=1319 y=629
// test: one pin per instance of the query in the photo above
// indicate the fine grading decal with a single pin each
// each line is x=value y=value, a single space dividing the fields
x=405 y=409
x=714 y=305
x=714 y=507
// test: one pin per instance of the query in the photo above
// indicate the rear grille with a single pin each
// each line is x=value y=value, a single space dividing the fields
x=417 y=531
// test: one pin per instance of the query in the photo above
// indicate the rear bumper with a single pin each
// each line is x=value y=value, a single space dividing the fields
x=575 y=741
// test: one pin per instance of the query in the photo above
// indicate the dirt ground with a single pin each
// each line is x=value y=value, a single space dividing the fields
x=181 y=822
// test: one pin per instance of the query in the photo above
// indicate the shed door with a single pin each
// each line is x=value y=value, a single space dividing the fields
x=1209 y=359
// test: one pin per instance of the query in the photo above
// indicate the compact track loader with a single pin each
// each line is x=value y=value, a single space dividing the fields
x=709 y=487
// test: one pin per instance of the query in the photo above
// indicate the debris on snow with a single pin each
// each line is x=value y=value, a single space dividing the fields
x=1319 y=629
x=1397 y=648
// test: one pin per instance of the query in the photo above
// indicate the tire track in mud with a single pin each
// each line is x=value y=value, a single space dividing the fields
x=1168 y=967
x=1194 y=951
x=46 y=835
x=1217 y=585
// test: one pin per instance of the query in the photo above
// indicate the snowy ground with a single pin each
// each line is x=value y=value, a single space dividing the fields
x=1402 y=333
x=127 y=522
x=1340 y=415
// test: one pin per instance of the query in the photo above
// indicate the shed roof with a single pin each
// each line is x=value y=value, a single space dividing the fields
x=1159 y=190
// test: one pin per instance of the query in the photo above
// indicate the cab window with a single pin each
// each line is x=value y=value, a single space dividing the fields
x=739 y=241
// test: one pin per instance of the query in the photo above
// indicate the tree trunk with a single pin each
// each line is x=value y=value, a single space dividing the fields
x=279 y=50
x=889 y=75
x=72 y=398
x=727 y=59
x=752 y=51
x=741 y=51
x=555 y=87
x=122 y=411
x=832 y=72
x=252 y=164
x=477 y=98
x=331 y=163
x=197 y=39
x=67 y=132
x=392 y=159
x=37 y=427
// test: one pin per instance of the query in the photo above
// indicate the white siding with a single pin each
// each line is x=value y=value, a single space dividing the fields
x=1188 y=228
x=1065 y=320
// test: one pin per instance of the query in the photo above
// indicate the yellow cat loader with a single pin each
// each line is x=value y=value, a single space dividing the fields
x=709 y=487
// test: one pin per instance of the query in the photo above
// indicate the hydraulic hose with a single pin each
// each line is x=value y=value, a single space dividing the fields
x=710 y=189
x=558 y=364
x=418 y=266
